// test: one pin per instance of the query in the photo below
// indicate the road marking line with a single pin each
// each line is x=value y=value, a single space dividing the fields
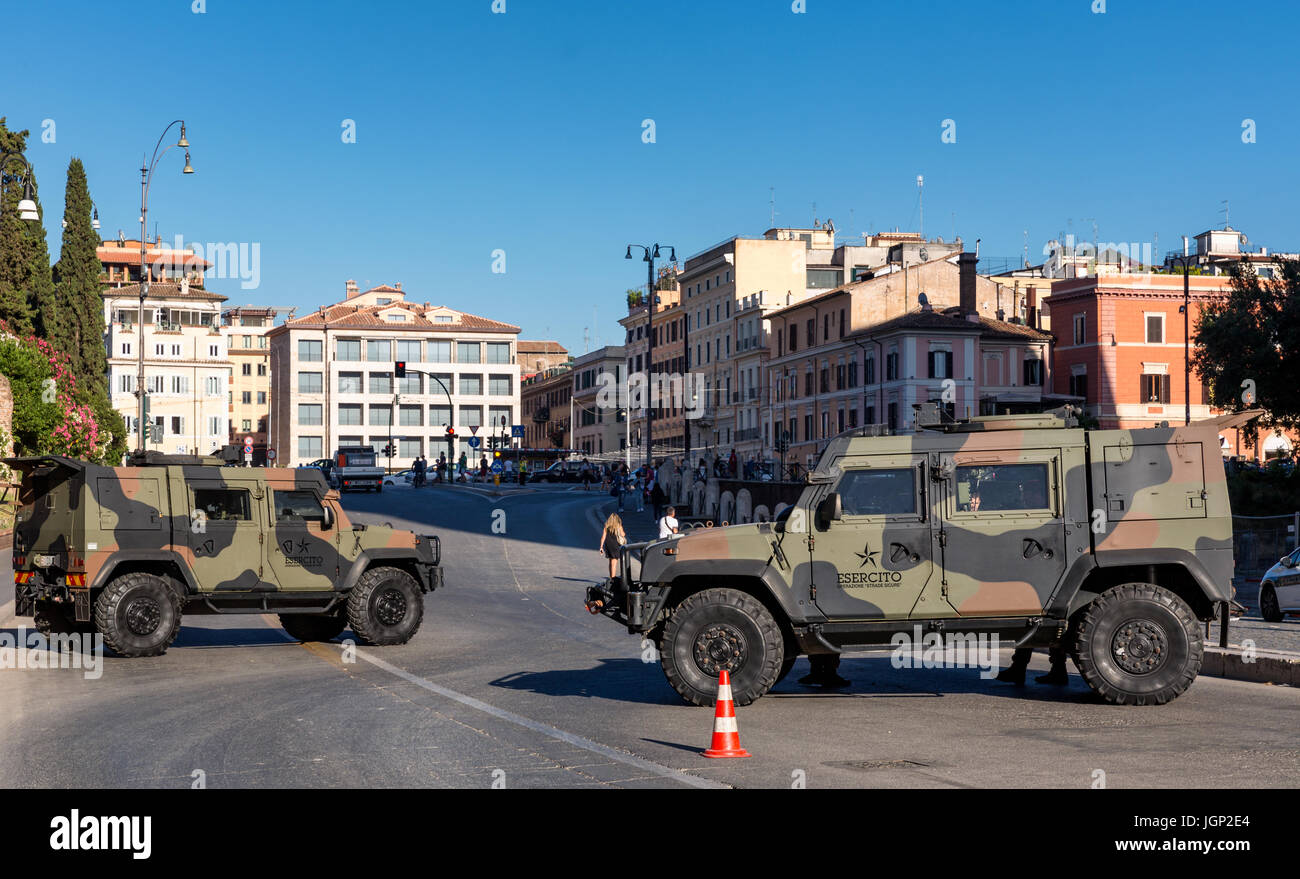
x=544 y=729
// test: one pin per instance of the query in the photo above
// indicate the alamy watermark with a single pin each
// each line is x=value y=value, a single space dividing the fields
x=238 y=260
x=946 y=650
x=660 y=390
x=29 y=649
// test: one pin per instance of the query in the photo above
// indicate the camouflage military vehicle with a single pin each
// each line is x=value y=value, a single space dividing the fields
x=1110 y=543
x=127 y=550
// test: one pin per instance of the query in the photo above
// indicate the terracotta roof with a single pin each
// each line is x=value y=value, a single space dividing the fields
x=367 y=317
x=531 y=347
x=167 y=256
x=952 y=322
x=161 y=290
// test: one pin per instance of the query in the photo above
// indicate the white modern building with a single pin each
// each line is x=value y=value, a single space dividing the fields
x=333 y=378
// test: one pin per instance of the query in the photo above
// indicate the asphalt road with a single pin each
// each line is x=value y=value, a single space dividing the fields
x=511 y=683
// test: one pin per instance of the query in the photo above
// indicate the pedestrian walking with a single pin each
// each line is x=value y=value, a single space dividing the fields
x=482 y=469
x=612 y=538
x=586 y=475
x=638 y=493
x=523 y=472
x=417 y=469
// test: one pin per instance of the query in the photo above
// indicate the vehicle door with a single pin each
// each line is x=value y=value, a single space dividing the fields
x=226 y=534
x=1001 y=537
x=1286 y=582
x=875 y=560
x=304 y=554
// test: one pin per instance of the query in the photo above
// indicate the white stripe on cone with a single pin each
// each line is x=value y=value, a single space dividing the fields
x=724 y=693
x=725 y=725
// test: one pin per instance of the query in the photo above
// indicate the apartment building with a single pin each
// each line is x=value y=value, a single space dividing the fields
x=244 y=328
x=544 y=403
x=729 y=290
x=333 y=377
x=187 y=368
x=670 y=359
x=599 y=424
x=535 y=356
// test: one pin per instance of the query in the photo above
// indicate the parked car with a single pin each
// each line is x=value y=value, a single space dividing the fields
x=403 y=477
x=326 y=467
x=561 y=471
x=1279 y=590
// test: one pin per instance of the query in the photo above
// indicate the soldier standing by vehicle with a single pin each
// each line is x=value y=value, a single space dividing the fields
x=825 y=672
x=1015 y=673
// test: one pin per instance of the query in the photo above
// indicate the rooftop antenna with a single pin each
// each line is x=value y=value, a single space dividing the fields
x=1026 y=248
x=814 y=206
x=771 y=201
x=586 y=341
x=1226 y=224
x=920 y=198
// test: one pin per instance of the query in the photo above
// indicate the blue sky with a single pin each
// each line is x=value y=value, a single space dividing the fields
x=478 y=131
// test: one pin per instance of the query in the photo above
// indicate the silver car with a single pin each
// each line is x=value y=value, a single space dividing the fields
x=1279 y=590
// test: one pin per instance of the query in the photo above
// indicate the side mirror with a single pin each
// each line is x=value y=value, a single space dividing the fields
x=327 y=520
x=829 y=510
x=1287 y=561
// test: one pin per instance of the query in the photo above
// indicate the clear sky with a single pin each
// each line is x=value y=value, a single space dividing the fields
x=523 y=132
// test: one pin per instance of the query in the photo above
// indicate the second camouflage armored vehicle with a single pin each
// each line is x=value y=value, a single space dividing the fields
x=127 y=551
x=1113 y=544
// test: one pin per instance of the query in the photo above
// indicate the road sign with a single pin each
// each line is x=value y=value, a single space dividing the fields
x=473 y=442
x=270 y=454
x=517 y=431
x=497 y=468
x=248 y=442
x=474 y=430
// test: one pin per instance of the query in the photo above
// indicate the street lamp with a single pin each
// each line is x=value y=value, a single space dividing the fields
x=27 y=204
x=1186 y=310
x=146 y=177
x=651 y=254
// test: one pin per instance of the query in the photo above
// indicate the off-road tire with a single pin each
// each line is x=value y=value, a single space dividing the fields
x=786 y=665
x=1138 y=644
x=314 y=626
x=385 y=607
x=700 y=631
x=138 y=615
x=1269 y=607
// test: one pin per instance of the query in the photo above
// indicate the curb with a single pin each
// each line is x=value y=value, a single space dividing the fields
x=1264 y=667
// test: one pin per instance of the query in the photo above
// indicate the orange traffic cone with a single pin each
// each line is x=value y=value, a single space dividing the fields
x=726 y=735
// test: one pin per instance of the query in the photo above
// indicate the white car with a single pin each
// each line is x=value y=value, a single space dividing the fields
x=1279 y=590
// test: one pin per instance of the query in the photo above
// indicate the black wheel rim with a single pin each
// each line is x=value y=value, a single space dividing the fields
x=1140 y=646
x=719 y=646
x=1268 y=603
x=143 y=615
x=390 y=606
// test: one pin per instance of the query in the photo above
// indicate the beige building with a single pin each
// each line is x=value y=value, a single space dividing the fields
x=187 y=370
x=600 y=425
x=669 y=356
x=536 y=356
x=245 y=328
x=333 y=377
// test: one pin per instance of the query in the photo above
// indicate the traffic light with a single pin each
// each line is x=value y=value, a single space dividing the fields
x=399 y=369
x=451 y=433
x=387 y=450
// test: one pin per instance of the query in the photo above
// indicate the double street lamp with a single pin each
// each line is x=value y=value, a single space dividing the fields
x=651 y=254
x=27 y=204
x=146 y=177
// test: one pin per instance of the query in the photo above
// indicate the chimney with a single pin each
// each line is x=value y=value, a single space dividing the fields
x=351 y=288
x=966 y=263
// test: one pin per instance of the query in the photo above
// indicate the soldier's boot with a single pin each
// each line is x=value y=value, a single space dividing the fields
x=1058 y=676
x=824 y=673
x=1015 y=672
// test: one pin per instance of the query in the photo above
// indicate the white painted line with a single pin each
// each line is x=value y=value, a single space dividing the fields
x=550 y=731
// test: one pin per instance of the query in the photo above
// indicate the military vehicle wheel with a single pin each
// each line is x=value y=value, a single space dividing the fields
x=786 y=665
x=385 y=607
x=1269 y=608
x=717 y=629
x=1138 y=644
x=138 y=615
x=314 y=626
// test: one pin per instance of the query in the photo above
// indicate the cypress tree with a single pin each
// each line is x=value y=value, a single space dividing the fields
x=77 y=324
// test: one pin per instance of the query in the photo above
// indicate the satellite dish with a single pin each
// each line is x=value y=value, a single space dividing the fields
x=925 y=255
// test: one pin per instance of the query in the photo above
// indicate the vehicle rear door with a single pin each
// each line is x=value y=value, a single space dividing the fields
x=227 y=533
x=1002 y=533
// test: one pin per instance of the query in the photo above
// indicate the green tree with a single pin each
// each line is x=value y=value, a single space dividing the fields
x=1250 y=342
x=30 y=270
x=14 y=236
x=76 y=326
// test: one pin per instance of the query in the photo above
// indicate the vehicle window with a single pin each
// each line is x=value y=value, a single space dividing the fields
x=1295 y=556
x=989 y=488
x=223 y=504
x=878 y=492
x=297 y=506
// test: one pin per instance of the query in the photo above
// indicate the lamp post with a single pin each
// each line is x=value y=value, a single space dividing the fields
x=146 y=177
x=1186 y=310
x=651 y=254
x=27 y=204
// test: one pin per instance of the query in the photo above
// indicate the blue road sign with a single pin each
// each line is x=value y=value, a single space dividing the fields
x=497 y=468
x=473 y=442
x=517 y=431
